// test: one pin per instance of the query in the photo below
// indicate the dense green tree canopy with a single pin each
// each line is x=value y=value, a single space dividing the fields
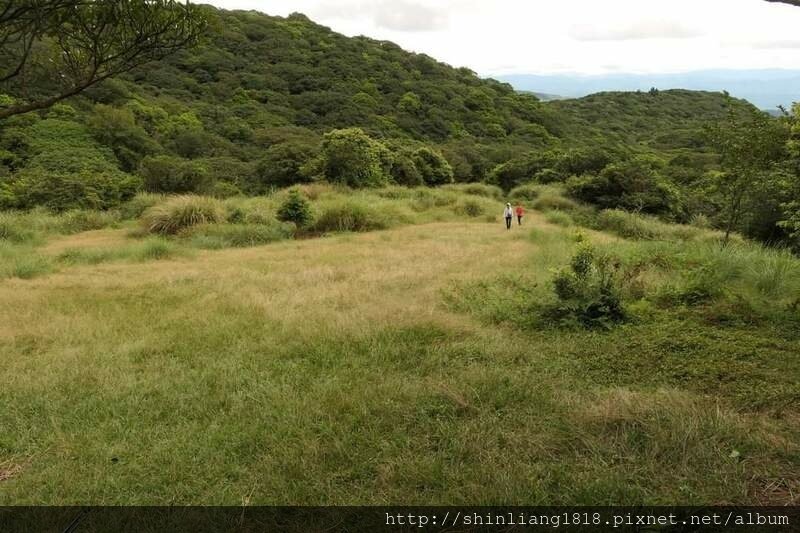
x=66 y=46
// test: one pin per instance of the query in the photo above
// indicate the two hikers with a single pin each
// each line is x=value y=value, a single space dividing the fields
x=509 y=213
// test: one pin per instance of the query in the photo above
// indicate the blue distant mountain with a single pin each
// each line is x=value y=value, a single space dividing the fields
x=767 y=89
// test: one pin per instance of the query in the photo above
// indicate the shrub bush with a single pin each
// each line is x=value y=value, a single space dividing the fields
x=166 y=174
x=432 y=166
x=634 y=185
x=589 y=292
x=62 y=192
x=283 y=164
x=351 y=157
x=181 y=212
x=295 y=209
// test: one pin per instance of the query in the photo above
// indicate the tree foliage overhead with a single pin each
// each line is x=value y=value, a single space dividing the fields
x=54 y=49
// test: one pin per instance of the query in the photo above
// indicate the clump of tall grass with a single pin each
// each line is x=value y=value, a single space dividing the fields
x=525 y=193
x=181 y=212
x=396 y=192
x=14 y=230
x=350 y=215
x=643 y=227
x=21 y=261
x=218 y=236
x=80 y=220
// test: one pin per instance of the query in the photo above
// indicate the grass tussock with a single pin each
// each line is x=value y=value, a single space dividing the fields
x=181 y=212
x=219 y=236
x=13 y=230
x=347 y=216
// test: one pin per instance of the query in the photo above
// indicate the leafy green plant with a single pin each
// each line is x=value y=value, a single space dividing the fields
x=589 y=291
x=295 y=209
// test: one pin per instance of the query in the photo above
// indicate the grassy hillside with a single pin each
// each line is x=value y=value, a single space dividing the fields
x=246 y=110
x=415 y=360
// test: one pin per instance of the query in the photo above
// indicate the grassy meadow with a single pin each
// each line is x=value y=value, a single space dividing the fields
x=398 y=349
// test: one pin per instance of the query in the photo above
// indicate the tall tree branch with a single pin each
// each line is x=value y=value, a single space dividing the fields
x=77 y=43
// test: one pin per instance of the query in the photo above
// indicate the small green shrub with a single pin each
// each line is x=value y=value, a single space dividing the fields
x=589 y=292
x=350 y=216
x=235 y=214
x=295 y=209
x=181 y=212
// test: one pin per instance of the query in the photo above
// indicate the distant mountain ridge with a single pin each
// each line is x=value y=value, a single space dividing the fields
x=766 y=89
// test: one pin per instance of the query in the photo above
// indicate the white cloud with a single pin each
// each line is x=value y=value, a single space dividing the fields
x=585 y=36
x=393 y=15
x=784 y=44
x=638 y=30
x=409 y=16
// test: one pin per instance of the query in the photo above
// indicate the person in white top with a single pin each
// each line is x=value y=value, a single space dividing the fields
x=508 y=214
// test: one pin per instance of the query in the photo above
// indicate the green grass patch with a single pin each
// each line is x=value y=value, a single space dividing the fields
x=218 y=236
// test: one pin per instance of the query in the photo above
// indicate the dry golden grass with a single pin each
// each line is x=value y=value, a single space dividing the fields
x=102 y=238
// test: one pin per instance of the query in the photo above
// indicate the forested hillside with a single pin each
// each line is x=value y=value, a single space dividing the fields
x=266 y=102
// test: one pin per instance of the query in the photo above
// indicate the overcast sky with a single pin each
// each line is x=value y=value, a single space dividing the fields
x=585 y=36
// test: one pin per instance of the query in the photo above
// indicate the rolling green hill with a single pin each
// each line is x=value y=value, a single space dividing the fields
x=247 y=111
x=260 y=81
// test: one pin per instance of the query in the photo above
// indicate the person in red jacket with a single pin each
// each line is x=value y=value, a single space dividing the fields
x=520 y=213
